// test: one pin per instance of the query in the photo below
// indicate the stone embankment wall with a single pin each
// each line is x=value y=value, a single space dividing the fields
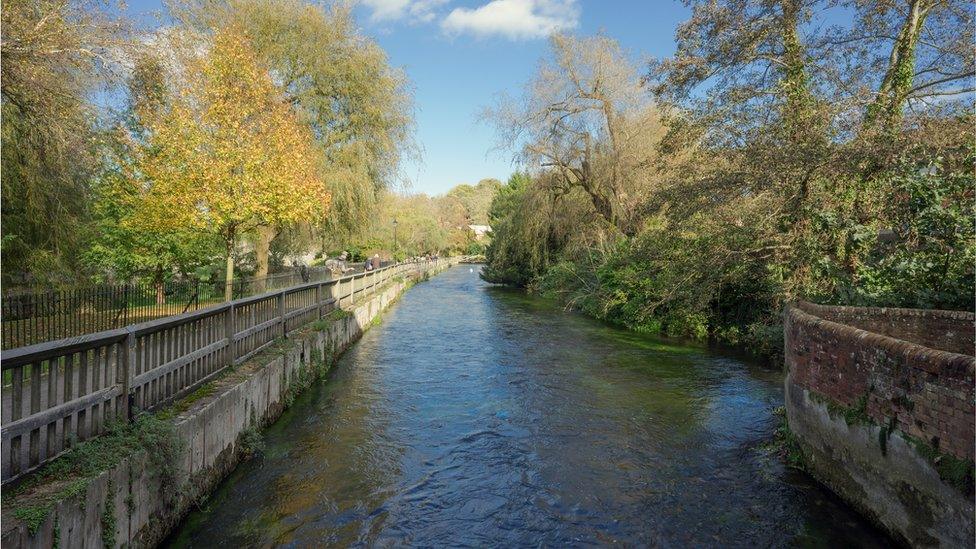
x=128 y=506
x=881 y=402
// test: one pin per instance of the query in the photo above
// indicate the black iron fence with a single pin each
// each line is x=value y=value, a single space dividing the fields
x=29 y=318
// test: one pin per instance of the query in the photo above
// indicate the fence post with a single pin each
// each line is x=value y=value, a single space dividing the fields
x=281 y=314
x=318 y=300
x=230 y=330
x=125 y=311
x=124 y=374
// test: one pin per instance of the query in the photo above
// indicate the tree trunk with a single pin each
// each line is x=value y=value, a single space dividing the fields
x=262 y=249
x=886 y=109
x=796 y=86
x=229 y=272
x=160 y=288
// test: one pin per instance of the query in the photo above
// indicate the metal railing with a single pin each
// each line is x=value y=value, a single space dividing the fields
x=34 y=317
x=58 y=393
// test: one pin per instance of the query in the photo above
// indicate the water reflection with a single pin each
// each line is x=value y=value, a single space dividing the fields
x=478 y=416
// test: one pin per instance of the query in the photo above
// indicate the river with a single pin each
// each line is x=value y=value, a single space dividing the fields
x=475 y=415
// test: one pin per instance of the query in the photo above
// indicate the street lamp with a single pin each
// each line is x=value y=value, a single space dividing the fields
x=394 y=236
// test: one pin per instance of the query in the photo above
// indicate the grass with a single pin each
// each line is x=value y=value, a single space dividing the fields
x=186 y=402
x=108 y=517
x=250 y=441
x=853 y=415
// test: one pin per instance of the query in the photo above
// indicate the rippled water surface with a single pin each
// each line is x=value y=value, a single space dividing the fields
x=478 y=416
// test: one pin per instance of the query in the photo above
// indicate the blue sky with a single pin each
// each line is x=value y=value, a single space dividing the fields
x=460 y=54
x=457 y=65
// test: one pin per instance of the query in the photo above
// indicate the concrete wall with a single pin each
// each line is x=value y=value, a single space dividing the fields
x=128 y=497
x=859 y=404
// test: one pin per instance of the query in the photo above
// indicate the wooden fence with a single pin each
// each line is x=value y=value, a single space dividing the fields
x=59 y=393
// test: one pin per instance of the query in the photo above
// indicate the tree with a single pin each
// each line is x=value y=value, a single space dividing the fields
x=229 y=155
x=341 y=85
x=122 y=245
x=53 y=55
x=586 y=116
x=589 y=124
x=476 y=200
x=770 y=182
x=930 y=57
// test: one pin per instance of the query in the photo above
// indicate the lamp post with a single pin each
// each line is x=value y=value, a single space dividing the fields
x=394 y=237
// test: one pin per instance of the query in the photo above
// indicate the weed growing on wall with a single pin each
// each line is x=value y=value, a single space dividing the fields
x=958 y=473
x=785 y=442
x=251 y=441
x=108 y=517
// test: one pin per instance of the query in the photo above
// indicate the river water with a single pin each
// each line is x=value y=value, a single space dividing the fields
x=474 y=415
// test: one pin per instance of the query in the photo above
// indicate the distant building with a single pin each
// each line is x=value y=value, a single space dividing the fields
x=480 y=231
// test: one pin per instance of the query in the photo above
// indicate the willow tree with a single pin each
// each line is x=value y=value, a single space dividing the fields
x=229 y=155
x=53 y=55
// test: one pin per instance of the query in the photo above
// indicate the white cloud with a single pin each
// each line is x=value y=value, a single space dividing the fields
x=515 y=19
x=415 y=10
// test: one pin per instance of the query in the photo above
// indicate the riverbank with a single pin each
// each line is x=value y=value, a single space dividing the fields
x=116 y=491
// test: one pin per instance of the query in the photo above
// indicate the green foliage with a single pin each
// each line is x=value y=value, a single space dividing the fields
x=108 y=521
x=476 y=200
x=959 y=473
x=56 y=542
x=83 y=462
x=53 y=58
x=695 y=278
x=71 y=190
x=33 y=516
x=123 y=251
x=519 y=251
x=251 y=441
x=342 y=83
x=338 y=314
x=185 y=403
x=786 y=443
x=767 y=185
x=928 y=255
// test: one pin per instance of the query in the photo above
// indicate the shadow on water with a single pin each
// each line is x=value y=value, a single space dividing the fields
x=475 y=415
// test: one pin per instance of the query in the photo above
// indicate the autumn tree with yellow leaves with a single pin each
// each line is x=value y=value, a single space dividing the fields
x=229 y=155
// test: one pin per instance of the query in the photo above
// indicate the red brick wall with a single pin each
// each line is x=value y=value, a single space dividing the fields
x=951 y=331
x=928 y=392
